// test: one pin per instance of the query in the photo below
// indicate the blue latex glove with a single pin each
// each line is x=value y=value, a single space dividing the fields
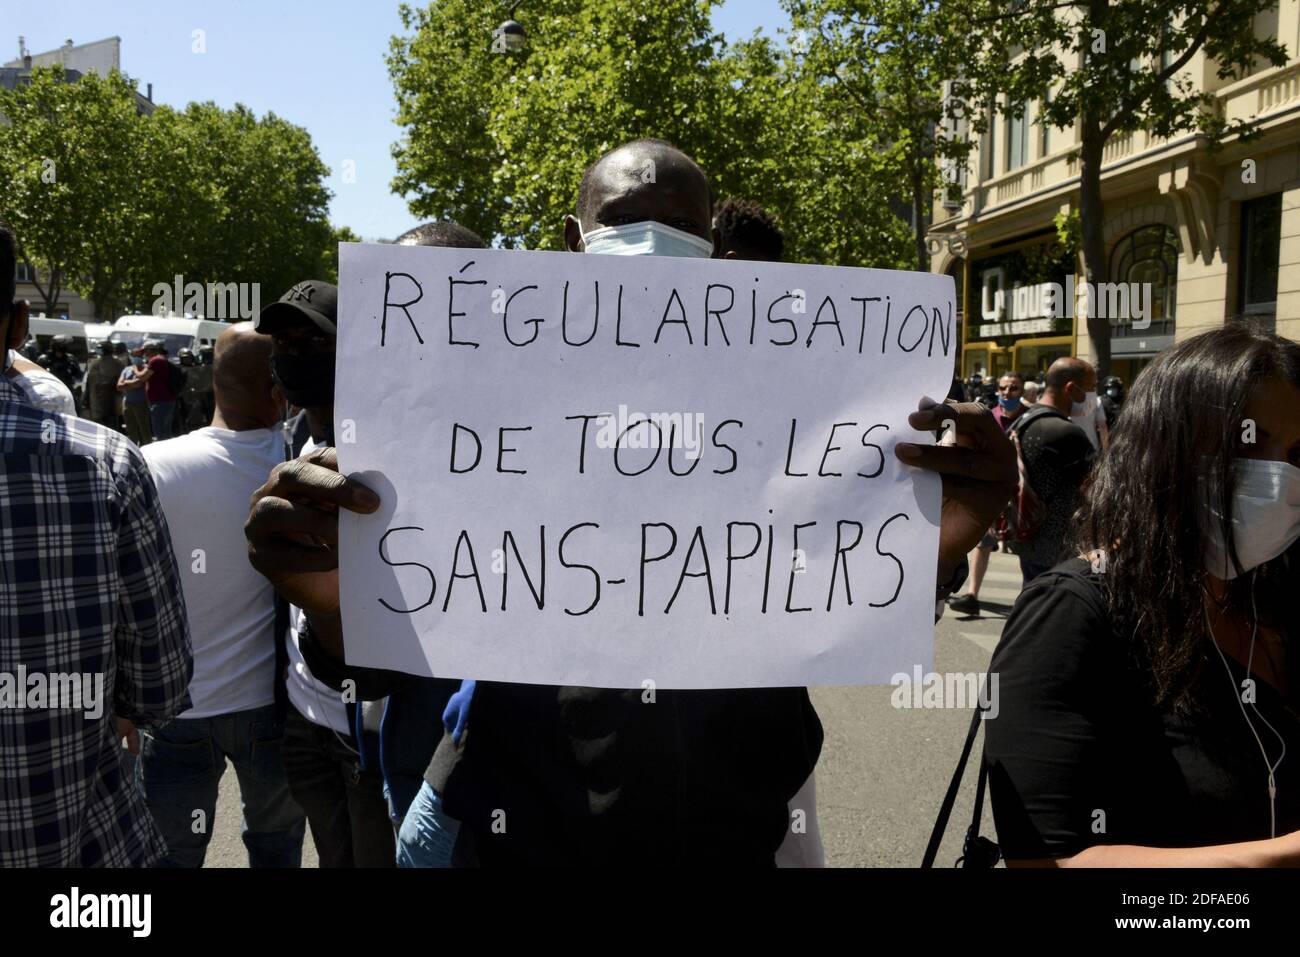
x=427 y=836
x=456 y=714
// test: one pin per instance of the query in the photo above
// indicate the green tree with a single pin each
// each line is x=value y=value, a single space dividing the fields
x=68 y=151
x=806 y=154
x=109 y=201
x=880 y=67
x=328 y=269
x=1112 y=66
x=498 y=142
x=173 y=208
x=264 y=212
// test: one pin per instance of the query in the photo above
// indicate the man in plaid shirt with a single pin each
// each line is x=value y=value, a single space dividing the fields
x=89 y=597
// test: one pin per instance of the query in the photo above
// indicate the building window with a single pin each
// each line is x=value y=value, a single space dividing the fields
x=1018 y=138
x=1261 y=237
x=1147 y=257
x=26 y=273
x=986 y=147
x=1044 y=127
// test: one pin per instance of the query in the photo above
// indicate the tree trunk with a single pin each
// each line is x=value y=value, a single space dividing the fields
x=103 y=295
x=1092 y=215
x=52 y=286
x=918 y=224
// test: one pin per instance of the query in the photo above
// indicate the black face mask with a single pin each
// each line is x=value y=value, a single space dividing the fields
x=306 y=381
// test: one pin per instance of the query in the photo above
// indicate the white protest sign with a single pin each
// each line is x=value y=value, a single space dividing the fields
x=606 y=470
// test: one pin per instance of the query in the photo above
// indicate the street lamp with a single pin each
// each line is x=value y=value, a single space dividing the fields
x=509 y=36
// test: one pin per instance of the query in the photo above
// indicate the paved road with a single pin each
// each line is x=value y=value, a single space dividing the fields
x=883 y=770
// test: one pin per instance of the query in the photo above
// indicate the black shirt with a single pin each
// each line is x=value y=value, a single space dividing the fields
x=1057 y=457
x=1079 y=754
x=567 y=776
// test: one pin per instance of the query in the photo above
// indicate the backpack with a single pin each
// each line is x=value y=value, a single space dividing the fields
x=1030 y=512
x=175 y=378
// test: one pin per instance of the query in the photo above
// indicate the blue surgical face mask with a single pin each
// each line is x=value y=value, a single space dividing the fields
x=647 y=238
x=1009 y=404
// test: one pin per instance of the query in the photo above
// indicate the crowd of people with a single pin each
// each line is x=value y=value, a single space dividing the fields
x=1055 y=460
x=114 y=388
x=216 y=622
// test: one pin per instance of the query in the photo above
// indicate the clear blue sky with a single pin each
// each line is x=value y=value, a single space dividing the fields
x=318 y=64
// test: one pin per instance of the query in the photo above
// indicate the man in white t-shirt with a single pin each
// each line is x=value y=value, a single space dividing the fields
x=204 y=481
x=333 y=756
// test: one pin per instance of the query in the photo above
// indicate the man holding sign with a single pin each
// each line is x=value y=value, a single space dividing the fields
x=757 y=531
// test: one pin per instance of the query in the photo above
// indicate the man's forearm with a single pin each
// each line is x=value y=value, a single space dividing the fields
x=328 y=632
x=321 y=644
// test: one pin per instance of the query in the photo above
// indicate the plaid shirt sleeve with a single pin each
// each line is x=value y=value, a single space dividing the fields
x=152 y=637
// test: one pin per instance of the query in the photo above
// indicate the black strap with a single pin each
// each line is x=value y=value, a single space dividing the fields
x=945 y=810
x=1022 y=424
x=281 y=626
x=977 y=851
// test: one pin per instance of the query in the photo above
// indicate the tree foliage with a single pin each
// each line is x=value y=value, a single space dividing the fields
x=498 y=142
x=881 y=66
x=107 y=200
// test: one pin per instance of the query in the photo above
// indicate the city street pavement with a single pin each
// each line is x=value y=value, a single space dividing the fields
x=883 y=770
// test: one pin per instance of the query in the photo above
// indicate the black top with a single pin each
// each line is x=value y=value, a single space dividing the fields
x=566 y=776
x=1077 y=733
x=1057 y=457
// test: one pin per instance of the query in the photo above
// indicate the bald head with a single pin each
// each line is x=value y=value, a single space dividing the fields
x=246 y=396
x=643 y=180
x=1066 y=370
x=1068 y=380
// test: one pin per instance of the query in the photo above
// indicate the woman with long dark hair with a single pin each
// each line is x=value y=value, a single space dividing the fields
x=1149 y=689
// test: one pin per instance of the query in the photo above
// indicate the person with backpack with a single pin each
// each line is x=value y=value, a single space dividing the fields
x=162 y=384
x=1147 y=712
x=1055 y=456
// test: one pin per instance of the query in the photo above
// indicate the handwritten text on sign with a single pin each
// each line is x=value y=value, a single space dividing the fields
x=603 y=470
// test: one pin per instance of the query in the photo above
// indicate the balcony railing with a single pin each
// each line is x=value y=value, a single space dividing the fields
x=1266 y=92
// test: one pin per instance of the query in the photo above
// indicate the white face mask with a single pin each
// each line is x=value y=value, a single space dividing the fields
x=1265 y=517
x=646 y=238
x=1086 y=407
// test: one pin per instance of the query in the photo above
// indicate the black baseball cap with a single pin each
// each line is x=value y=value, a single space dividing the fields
x=312 y=299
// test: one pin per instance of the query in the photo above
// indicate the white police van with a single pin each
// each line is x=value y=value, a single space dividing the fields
x=176 y=332
x=44 y=330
